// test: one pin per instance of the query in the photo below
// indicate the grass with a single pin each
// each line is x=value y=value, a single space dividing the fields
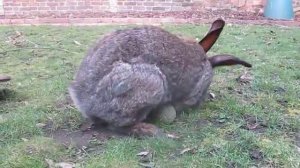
x=43 y=59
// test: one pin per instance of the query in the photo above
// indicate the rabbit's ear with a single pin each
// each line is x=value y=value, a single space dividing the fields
x=211 y=37
x=225 y=60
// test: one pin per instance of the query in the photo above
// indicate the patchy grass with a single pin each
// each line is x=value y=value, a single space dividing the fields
x=247 y=124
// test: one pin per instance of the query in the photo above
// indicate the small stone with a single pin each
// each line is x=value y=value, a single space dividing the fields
x=167 y=114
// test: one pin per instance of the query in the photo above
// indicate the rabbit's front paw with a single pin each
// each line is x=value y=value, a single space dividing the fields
x=145 y=129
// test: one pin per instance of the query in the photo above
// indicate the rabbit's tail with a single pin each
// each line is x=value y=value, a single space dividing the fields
x=226 y=60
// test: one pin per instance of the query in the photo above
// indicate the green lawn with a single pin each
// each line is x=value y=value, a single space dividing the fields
x=247 y=124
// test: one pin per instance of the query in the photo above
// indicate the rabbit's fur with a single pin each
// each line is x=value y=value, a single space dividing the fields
x=130 y=73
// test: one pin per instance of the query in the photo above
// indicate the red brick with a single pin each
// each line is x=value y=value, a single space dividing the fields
x=71 y=4
x=164 y=4
x=81 y=4
x=96 y=3
x=148 y=3
x=185 y=4
x=130 y=3
x=139 y=8
x=28 y=8
x=62 y=8
x=42 y=4
x=52 y=4
x=158 y=8
x=7 y=8
x=82 y=7
x=44 y=8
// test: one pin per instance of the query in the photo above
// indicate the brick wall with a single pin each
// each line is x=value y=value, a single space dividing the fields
x=87 y=8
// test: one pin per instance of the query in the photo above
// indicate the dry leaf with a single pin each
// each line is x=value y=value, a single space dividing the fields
x=24 y=139
x=18 y=34
x=191 y=150
x=64 y=165
x=147 y=165
x=172 y=136
x=293 y=112
x=245 y=78
x=2 y=119
x=252 y=126
x=76 y=42
x=144 y=153
x=50 y=163
x=212 y=95
x=40 y=125
x=298 y=149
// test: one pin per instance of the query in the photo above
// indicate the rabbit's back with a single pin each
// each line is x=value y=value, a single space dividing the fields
x=181 y=62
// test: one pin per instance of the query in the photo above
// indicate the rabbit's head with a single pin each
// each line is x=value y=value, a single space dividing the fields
x=208 y=41
x=198 y=93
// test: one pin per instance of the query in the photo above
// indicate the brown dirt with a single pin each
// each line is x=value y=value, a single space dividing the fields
x=84 y=136
x=256 y=154
x=254 y=124
x=81 y=137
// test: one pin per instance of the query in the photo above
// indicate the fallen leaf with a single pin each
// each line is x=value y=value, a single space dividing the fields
x=283 y=102
x=298 y=149
x=245 y=78
x=50 y=163
x=190 y=150
x=147 y=165
x=293 y=112
x=212 y=95
x=40 y=125
x=279 y=90
x=145 y=157
x=76 y=42
x=265 y=141
x=18 y=33
x=144 y=153
x=222 y=118
x=173 y=136
x=64 y=165
x=24 y=139
x=2 y=119
x=252 y=126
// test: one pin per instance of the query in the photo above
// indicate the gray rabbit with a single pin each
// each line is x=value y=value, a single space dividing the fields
x=131 y=73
